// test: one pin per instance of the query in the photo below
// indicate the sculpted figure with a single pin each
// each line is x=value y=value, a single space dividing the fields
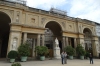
x=14 y=44
x=56 y=43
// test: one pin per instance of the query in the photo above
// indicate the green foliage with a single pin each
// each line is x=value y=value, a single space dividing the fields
x=12 y=54
x=70 y=50
x=87 y=54
x=41 y=50
x=24 y=49
x=80 y=50
x=16 y=64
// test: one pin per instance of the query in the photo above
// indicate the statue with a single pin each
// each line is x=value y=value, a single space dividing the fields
x=56 y=43
x=14 y=44
x=57 y=50
x=17 y=18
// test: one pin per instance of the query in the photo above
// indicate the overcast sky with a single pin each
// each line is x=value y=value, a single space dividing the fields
x=85 y=9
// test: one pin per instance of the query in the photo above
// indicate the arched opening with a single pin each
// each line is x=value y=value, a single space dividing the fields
x=4 y=33
x=53 y=30
x=87 y=39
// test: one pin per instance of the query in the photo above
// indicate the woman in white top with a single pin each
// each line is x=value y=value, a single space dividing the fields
x=62 y=57
x=65 y=57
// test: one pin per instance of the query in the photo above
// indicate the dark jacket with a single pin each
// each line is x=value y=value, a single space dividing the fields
x=62 y=55
x=91 y=56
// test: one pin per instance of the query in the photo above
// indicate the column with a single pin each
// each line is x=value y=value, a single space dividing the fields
x=33 y=48
x=75 y=43
x=9 y=43
x=93 y=47
x=78 y=41
x=94 y=50
x=25 y=37
x=38 y=40
x=66 y=41
x=43 y=40
x=63 y=43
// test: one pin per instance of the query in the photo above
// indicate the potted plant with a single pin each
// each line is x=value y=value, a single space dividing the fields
x=70 y=51
x=87 y=55
x=16 y=64
x=24 y=51
x=12 y=55
x=80 y=51
x=41 y=51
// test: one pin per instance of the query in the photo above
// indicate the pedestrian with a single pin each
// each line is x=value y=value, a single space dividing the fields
x=91 y=58
x=62 y=57
x=65 y=57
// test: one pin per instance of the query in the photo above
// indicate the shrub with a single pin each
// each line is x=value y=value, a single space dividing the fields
x=12 y=54
x=70 y=50
x=87 y=54
x=41 y=50
x=80 y=50
x=16 y=64
x=24 y=49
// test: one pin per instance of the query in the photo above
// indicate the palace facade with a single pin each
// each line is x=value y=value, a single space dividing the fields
x=20 y=23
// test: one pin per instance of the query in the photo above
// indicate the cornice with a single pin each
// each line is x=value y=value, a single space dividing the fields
x=26 y=26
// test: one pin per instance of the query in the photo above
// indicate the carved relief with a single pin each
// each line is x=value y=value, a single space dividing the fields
x=43 y=20
x=10 y=13
x=17 y=17
x=79 y=28
x=63 y=23
x=7 y=11
x=70 y=26
x=32 y=20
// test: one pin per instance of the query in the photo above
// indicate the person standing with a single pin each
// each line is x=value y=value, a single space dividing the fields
x=62 y=57
x=91 y=58
x=65 y=57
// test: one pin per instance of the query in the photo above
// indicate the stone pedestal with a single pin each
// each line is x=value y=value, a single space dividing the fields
x=57 y=53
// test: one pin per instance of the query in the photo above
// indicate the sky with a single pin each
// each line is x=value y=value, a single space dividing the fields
x=84 y=9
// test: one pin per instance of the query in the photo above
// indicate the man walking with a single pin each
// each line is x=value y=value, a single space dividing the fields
x=91 y=58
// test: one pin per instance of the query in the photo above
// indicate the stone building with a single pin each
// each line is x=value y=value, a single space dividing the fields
x=20 y=23
x=98 y=34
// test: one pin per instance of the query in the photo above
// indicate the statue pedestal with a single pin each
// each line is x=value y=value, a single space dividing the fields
x=57 y=53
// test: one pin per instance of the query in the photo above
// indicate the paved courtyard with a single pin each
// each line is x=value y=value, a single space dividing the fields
x=74 y=62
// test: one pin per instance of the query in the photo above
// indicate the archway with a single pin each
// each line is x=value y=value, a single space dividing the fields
x=4 y=33
x=53 y=30
x=88 y=39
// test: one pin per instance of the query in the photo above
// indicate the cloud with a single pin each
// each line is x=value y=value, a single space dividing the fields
x=46 y=4
x=86 y=9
